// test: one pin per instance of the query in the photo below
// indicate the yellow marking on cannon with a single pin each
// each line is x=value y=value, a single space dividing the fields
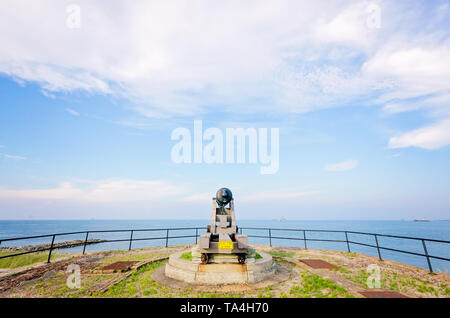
x=225 y=245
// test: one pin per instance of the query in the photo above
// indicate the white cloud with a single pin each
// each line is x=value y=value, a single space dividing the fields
x=437 y=105
x=49 y=95
x=72 y=112
x=99 y=191
x=342 y=166
x=180 y=59
x=14 y=157
x=431 y=137
x=197 y=197
x=171 y=58
x=347 y=27
x=414 y=71
x=277 y=195
x=394 y=108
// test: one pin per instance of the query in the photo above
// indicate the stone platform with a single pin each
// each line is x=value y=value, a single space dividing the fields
x=219 y=274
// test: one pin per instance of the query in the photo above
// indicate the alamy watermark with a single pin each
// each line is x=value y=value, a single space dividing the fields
x=73 y=20
x=210 y=146
x=74 y=279
x=373 y=20
x=374 y=279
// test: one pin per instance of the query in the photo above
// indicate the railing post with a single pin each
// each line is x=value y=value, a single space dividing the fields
x=51 y=248
x=131 y=240
x=270 y=237
x=196 y=234
x=304 y=238
x=346 y=239
x=167 y=237
x=428 y=257
x=85 y=242
x=378 y=247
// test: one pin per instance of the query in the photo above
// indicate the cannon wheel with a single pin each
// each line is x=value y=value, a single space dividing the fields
x=241 y=259
x=204 y=258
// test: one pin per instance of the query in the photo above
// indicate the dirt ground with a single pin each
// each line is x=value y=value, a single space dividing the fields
x=353 y=275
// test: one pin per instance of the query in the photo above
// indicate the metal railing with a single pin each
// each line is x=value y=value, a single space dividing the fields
x=269 y=236
x=348 y=242
x=131 y=239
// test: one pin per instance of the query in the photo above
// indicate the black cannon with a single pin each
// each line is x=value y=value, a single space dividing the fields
x=222 y=236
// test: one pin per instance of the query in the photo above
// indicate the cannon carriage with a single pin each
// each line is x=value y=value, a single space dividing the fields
x=222 y=236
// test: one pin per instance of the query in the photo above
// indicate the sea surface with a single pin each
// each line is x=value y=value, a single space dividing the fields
x=439 y=230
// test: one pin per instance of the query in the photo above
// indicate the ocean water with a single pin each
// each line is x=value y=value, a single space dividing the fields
x=439 y=230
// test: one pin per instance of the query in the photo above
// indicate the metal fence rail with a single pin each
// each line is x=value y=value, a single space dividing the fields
x=269 y=236
x=348 y=242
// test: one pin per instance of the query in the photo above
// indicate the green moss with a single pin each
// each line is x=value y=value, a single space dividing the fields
x=344 y=270
x=23 y=260
x=263 y=295
x=187 y=256
x=317 y=287
x=400 y=283
x=131 y=257
x=394 y=286
x=139 y=284
x=281 y=254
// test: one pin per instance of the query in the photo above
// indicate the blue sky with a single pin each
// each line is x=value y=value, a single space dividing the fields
x=360 y=92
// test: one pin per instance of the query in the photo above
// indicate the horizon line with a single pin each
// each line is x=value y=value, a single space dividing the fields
x=197 y=219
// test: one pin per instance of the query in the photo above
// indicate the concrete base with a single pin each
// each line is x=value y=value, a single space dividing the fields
x=218 y=274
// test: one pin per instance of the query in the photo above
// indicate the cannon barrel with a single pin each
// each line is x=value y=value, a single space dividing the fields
x=223 y=196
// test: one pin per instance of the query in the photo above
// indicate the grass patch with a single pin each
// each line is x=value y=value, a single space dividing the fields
x=341 y=269
x=281 y=253
x=359 y=277
x=139 y=284
x=399 y=283
x=127 y=256
x=23 y=260
x=314 y=286
x=187 y=256
x=351 y=254
x=258 y=256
